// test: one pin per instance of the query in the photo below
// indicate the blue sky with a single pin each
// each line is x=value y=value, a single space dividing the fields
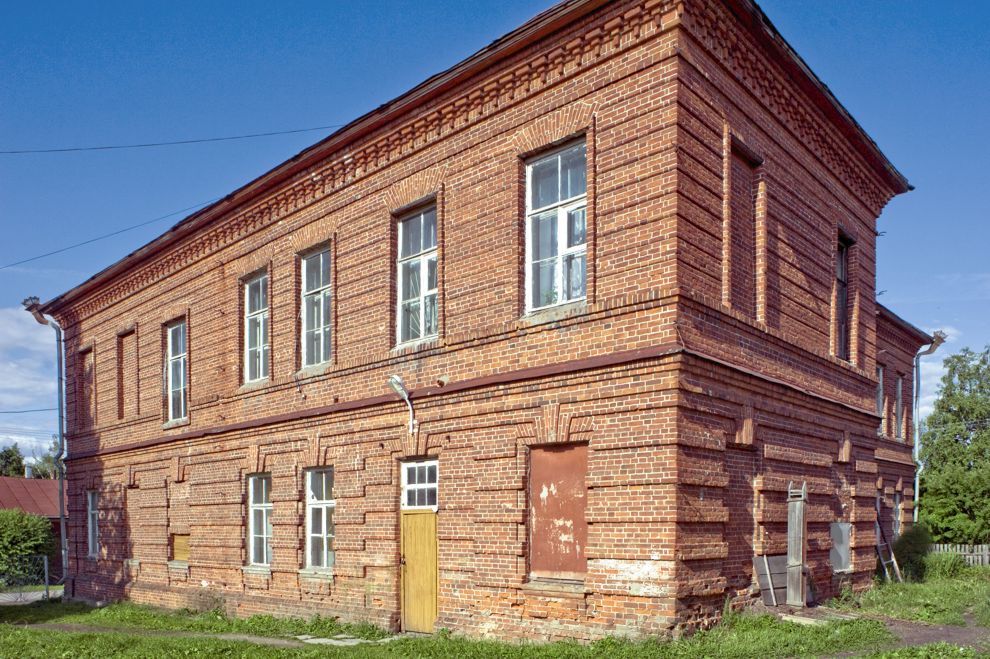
x=75 y=74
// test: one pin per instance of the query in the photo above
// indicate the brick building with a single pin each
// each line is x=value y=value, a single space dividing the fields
x=623 y=261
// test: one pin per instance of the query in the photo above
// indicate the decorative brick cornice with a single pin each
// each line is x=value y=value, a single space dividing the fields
x=713 y=27
x=522 y=79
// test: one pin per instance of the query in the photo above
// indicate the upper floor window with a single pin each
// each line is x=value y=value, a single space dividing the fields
x=316 y=308
x=899 y=409
x=260 y=519
x=881 y=395
x=175 y=370
x=842 y=299
x=320 y=505
x=256 y=328
x=417 y=276
x=556 y=206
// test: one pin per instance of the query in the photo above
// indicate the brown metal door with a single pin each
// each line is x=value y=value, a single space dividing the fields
x=558 y=498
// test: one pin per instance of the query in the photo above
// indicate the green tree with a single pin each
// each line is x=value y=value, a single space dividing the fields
x=22 y=535
x=44 y=467
x=955 y=452
x=11 y=461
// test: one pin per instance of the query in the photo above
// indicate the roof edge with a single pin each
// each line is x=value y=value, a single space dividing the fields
x=924 y=337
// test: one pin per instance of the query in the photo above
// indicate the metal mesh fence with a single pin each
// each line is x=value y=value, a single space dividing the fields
x=25 y=579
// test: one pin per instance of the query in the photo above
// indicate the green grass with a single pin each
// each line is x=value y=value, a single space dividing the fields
x=943 y=601
x=930 y=651
x=741 y=636
x=133 y=616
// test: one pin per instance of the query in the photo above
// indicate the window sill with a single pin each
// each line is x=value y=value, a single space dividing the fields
x=555 y=313
x=132 y=563
x=313 y=370
x=257 y=570
x=175 y=423
x=254 y=385
x=323 y=574
x=418 y=345
x=847 y=570
x=179 y=566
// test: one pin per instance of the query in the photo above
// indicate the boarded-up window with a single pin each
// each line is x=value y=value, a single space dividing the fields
x=558 y=499
x=127 y=376
x=180 y=547
x=742 y=248
x=839 y=555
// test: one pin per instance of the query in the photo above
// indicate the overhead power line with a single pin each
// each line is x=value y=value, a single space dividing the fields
x=40 y=409
x=146 y=145
x=111 y=234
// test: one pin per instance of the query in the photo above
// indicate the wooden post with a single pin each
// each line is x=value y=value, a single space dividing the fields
x=797 y=526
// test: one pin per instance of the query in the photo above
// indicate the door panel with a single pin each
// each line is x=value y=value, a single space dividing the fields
x=558 y=526
x=419 y=570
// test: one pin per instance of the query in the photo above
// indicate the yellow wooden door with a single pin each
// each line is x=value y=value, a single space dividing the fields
x=419 y=570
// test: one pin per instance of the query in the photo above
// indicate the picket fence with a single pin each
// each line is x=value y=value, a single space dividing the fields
x=972 y=554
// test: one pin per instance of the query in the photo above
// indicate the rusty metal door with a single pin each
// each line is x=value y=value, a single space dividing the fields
x=558 y=499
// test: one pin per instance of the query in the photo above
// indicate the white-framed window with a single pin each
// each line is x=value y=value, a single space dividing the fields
x=880 y=398
x=556 y=224
x=420 y=482
x=176 y=369
x=417 y=315
x=899 y=409
x=316 y=308
x=260 y=519
x=256 y=328
x=92 y=524
x=895 y=525
x=320 y=505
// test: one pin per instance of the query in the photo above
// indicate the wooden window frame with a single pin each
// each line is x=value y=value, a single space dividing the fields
x=422 y=258
x=183 y=358
x=265 y=507
x=262 y=314
x=843 y=317
x=326 y=507
x=92 y=524
x=418 y=487
x=325 y=294
x=563 y=208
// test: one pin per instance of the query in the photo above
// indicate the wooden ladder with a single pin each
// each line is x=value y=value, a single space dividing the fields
x=889 y=561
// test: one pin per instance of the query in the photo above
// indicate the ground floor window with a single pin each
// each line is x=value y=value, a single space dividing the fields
x=320 y=505
x=260 y=519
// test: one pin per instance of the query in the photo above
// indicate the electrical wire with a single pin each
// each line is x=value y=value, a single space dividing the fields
x=145 y=145
x=40 y=409
x=110 y=235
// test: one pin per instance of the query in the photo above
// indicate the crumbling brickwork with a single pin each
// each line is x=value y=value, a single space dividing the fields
x=700 y=370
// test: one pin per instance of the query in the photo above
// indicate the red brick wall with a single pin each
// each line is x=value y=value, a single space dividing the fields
x=696 y=414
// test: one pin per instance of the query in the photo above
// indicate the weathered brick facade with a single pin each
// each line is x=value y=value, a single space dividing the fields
x=700 y=369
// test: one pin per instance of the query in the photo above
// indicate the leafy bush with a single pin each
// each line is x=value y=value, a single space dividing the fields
x=22 y=534
x=910 y=551
x=944 y=566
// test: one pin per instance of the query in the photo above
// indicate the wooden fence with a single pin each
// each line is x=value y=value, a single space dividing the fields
x=972 y=554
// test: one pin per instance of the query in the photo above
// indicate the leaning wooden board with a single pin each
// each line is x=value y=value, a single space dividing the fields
x=771 y=574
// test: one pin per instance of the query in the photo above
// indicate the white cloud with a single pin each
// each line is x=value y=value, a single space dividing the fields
x=27 y=380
